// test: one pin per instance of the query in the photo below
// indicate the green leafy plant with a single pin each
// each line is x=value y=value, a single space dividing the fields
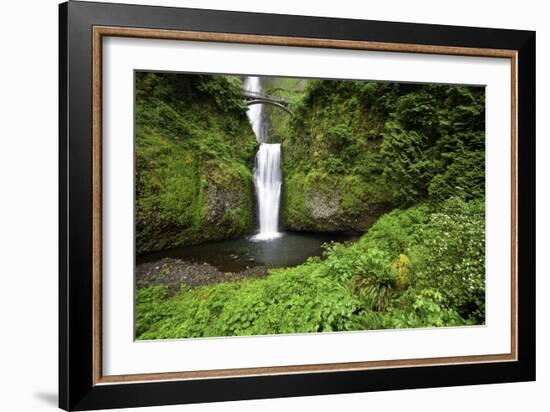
x=374 y=279
x=424 y=308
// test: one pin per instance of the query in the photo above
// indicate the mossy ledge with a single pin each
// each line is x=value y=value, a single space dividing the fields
x=194 y=156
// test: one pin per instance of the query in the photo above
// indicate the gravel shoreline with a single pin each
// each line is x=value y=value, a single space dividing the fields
x=173 y=273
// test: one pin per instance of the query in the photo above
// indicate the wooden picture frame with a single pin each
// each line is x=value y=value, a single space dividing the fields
x=83 y=26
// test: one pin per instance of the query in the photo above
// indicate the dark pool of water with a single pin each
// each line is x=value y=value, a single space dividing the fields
x=291 y=249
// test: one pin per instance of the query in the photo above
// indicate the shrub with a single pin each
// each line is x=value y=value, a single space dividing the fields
x=374 y=279
x=450 y=255
x=424 y=308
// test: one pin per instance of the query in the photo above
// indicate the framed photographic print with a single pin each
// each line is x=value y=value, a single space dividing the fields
x=257 y=205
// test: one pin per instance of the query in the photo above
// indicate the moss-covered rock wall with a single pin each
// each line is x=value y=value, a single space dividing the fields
x=354 y=150
x=194 y=156
x=331 y=181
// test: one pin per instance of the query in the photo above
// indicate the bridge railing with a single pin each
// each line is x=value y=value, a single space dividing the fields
x=263 y=96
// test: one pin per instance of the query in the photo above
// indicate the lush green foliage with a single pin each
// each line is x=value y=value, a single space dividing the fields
x=288 y=301
x=433 y=144
x=194 y=155
x=369 y=147
x=403 y=161
x=414 y=268
x=450 y=253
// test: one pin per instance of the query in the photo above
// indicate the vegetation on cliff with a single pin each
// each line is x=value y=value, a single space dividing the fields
x=354 y=150
x=194 y=155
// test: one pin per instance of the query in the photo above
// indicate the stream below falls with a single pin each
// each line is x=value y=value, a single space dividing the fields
x=236 y=255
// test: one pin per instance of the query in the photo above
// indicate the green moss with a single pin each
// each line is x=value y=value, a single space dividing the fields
x=354 y=193
x=194 y=156
x=332 y=144
x=375 y=146
x=403 y=270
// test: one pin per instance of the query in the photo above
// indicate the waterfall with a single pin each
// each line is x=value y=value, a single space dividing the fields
x=267 y=180
x=267 y=172
x=256 y=111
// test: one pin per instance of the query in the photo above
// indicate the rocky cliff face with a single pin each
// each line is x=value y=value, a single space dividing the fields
x=194 y=156
x=328 y=212
x=318 y=207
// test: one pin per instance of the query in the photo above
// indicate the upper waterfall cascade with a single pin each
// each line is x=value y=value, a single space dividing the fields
x=267 y=172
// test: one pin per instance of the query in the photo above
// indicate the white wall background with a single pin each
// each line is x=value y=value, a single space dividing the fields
x=28 y=203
